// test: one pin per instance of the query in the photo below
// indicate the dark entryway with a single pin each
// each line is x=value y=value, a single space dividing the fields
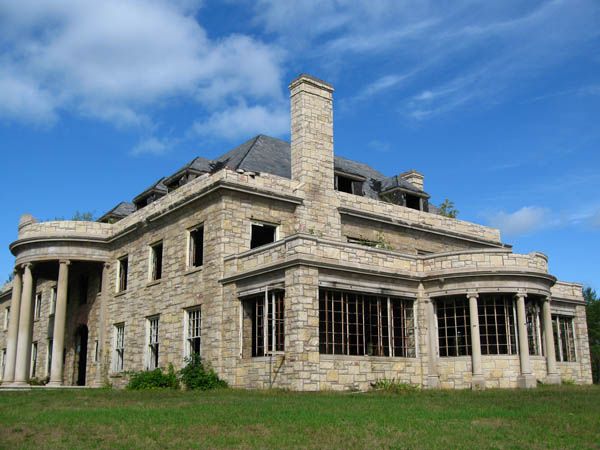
x=81 y=342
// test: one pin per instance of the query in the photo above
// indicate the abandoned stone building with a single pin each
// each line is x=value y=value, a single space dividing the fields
x=283 y=265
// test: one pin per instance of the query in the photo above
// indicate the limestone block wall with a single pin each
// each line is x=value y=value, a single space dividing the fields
x=66 y=228
x=485 y=259
x=421 y=219
x=402 y=239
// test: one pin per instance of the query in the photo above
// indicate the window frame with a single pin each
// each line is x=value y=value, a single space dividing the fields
x=260 y=223
x=33 y=361
x=188 y=327
x=49 y=349
x=2 y=363
x=118 y=362
x=450 y=322
x=508 y=310
x=122 y=281
x=565 y=339
x=152 y=342
x=37 y=306
x=53 y=297
x=6 y=317
x=267 y=333
x=366 y=320
x=156 y=261
x=192 y=245
x=354 y=180
x=533 y=314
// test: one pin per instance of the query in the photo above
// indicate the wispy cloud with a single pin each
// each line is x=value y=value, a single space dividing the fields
x=472 y=54
x=521 y=222
x=152 y=146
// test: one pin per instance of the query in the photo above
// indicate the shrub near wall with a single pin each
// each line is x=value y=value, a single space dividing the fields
x=154 y=379
x=196 y=376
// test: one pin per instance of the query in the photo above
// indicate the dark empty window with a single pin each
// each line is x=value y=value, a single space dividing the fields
x=156 y=255
x=196 y=250
x=413 y=202
x=262 y=234
x=349 y=185
x=122 y=274
x=497 y=325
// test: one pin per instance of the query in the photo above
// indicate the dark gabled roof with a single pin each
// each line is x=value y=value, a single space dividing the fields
x=265 y=154
x=123 y=209
x=157 y=188
x=197 y=165
x=260 y=154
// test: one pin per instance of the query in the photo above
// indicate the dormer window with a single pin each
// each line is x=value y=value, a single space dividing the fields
x=349 y=183
x=413 y=202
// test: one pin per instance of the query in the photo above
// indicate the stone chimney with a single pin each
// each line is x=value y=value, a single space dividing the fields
x=413 y=177
x=312 y=131
x=312 y=155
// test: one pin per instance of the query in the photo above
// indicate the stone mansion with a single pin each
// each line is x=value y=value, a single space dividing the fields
x=283 y=265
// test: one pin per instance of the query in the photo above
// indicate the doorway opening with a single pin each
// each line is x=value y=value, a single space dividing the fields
x=81 y=343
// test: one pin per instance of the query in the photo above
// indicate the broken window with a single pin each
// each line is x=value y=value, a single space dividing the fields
x=262 y=234
x=361 y=325
x=53 y=300
x=152 y=339
x=122 y=269
x=119 y=347
x=348 y=184
x=454 y=332
x=6 y=317
x=564 y=338
x=196 y=247
x=37 y=309
x=156 y=261
x=497 y=325
x=49 y=357
x=413 y=202
x=266 y=313
x=532 y=322
x=34 y=355
x=192 y=332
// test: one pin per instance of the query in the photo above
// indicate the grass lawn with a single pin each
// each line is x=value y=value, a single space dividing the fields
x=547 y=417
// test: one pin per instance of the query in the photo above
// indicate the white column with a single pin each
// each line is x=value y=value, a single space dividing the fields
x=102 y=325
x=25 y=329
x=552 y=376
x=13 y=327
x=478 y=379
x=526 y=378
x=60 y=316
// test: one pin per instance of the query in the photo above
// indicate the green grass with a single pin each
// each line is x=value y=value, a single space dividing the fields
x=547 y=417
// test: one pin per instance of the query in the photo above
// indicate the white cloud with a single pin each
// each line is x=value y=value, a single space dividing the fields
x=595 y=220
x=118 y=60
x=521 y=222
x=245 y=121
x=151 y=146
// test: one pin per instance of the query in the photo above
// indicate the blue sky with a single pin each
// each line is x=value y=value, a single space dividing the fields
x=497 y=103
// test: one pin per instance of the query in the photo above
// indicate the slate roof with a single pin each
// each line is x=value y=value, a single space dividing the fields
x=123 y=209
x=265 y=154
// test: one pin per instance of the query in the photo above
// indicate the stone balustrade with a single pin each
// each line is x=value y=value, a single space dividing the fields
x=485 y=260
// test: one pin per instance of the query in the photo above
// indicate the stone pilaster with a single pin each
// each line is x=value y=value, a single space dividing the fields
x=13 y=327
x=60 y=317
x=552 y=375
x=526 y=378
x=433 y=378
x=478 y=379
x=25 y=329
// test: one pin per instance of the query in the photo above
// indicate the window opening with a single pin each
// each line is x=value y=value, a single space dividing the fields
x=262 y=234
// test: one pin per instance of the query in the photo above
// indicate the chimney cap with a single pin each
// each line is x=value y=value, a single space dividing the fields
x=306 y=78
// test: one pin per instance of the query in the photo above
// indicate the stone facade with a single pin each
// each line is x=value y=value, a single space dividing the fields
x=318 y=246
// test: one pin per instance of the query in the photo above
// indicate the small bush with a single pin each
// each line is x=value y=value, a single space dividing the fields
x=196 y=376
x=154 y=379
x=393 y=386
x=38 y=381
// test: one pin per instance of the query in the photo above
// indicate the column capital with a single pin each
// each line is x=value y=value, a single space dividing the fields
x=547 y=299
x=26 y=266
x=65 y=261
x=17 y=270
x=472 y=294
x=521 y=294
x=106 y=265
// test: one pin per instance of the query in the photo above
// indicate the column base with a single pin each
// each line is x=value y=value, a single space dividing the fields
x=526 y=381
x=478 y=383
x=432 y=382
x=552 y=378
x=18 y=384
x=54 y=384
